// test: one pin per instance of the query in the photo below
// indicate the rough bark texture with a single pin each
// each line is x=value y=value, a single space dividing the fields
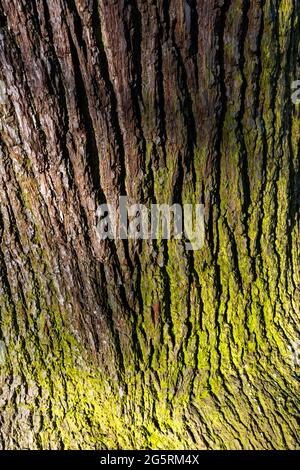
x=144 y=344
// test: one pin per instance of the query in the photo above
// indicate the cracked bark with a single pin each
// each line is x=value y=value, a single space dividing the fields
x=121 y=344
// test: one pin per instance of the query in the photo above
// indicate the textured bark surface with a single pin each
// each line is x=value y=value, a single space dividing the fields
x=108 y=344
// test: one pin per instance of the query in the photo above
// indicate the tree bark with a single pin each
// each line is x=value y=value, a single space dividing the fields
x=143 y=344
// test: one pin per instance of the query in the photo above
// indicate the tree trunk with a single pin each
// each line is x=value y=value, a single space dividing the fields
x=144 y=344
